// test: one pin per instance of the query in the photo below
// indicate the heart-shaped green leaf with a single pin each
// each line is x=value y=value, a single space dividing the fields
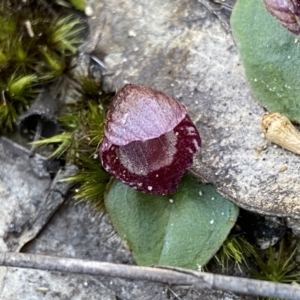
x=271 y=57
x=184 y=230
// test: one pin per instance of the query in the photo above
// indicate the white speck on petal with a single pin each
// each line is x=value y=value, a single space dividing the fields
x=190 y=130
x=196 y=144
x=149 y=188
x=190 y=150
x=124 y=118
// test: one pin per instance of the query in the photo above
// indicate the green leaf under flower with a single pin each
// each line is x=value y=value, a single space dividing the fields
x=182 y=230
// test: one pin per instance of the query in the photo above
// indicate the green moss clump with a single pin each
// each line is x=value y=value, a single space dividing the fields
x=36 y=43
x=278 y=263
x=83 y=123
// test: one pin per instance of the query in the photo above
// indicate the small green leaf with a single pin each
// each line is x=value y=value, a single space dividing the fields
x=270 y=54
x=64 y=140
x=8 y=117
x=8 y=26
x=56 y=63
x=91 y=181
x=78 y=4
x=64 y=34
x=182 y=230
x=3 y=58
x=17 y=85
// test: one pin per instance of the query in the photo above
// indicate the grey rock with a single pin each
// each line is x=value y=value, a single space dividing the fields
x=31 y=195
x=28 y=198
x=26 y=284
x=25 y=182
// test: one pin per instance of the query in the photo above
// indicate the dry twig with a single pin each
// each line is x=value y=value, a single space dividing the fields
x=172 y=276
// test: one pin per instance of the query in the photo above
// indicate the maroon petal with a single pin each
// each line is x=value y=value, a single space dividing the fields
x=156 y=165
x=140 y=113
x=287 y=12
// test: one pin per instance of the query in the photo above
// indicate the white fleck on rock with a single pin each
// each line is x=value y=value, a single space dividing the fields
x=43 y=289
x=88 y=11
x=132 y=33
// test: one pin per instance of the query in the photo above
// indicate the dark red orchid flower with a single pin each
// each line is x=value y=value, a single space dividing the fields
x=287 y=12
x=149 y=140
